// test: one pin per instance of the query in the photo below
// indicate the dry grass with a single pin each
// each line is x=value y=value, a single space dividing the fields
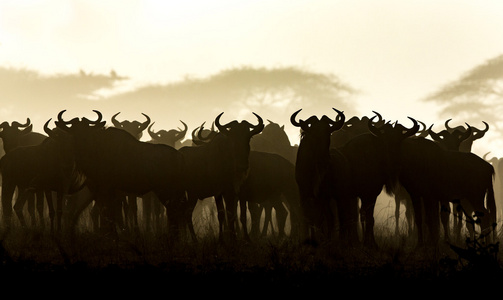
x=267 y=262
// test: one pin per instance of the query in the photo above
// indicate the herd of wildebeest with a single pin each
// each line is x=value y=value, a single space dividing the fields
x=325 y=188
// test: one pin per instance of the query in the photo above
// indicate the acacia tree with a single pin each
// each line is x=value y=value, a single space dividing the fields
x=27 y=93
x=476 y=96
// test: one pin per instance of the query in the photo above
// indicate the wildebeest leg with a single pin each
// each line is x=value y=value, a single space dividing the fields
x=132 y=212
x=458 y=219
x=281 y=216
x=76 y=204
x=186 y=211
x=7 y=195
x=147 y=210
x=445 y=212
x=409 y=215
x=432 y=211
x=367 y=210
x=110 y=215
x=48 y=197
x=59 y=209
x=95 y=215
x=30 y=199
x=176 y=206
x=401 y=196
x=23 y=194
x=255 y=214
x=39 y=194
x=222 y=223
x=267 y=208
x=243 y=217
x=417 y=203
x=397 y=214
x=347 y=209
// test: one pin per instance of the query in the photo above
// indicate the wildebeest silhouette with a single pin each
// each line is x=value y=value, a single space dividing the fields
x=114 y=161
x=321 y=176
x=373 y=161
x=218 y=168
x=152 y=208
x=15 y=135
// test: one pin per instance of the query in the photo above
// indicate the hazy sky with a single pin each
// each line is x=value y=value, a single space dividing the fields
x=395 y=51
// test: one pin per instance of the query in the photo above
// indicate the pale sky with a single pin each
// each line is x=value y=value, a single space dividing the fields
x=395 y=51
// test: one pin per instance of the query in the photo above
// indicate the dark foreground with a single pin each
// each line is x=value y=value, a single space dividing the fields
x=142 y=260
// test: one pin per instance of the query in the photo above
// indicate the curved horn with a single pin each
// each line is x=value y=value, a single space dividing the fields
x=412 y=131
x=200 y=133
x=467 y=133
x=60 y=117
x=447 y=125
x=483 y=130
x=194 y=134
x=423 y=132
x=293 y=117
x=259 y=127
x=485 y=155
x=152 y=134
x=47 y=129
x=144 y=125
x=115 y=121
x=379 y=117
x=17 y=124
x=372 y=128
x=435 y=136
x=220 y=127
x=100 y=117
x=182 y=133
x=339 y=120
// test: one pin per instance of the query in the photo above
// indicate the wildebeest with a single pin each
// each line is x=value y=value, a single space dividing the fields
x=322 y=177
x=373 y=161
x=135 y=128
x=271 y=183
x=16 y=135
x=452 y=139
x=273 y=139
x=466 y=145
x=114 y=161
x=218 y=168
x=45 y=167
x=152 y=208
x=434 y=177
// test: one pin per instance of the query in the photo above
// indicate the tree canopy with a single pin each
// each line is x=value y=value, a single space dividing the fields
x=476 y=96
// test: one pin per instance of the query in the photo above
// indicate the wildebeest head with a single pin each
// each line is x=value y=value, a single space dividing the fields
x=66 y=163
x=466 y=145
x=79 y=126
x=201 y=136
x=135 y=128
x=238 y=135
x=170 y=137
x=352 y=127
x=451 y=140
x=390 y=137
x=393 y=134
x=316 y=132
x=10 y=134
